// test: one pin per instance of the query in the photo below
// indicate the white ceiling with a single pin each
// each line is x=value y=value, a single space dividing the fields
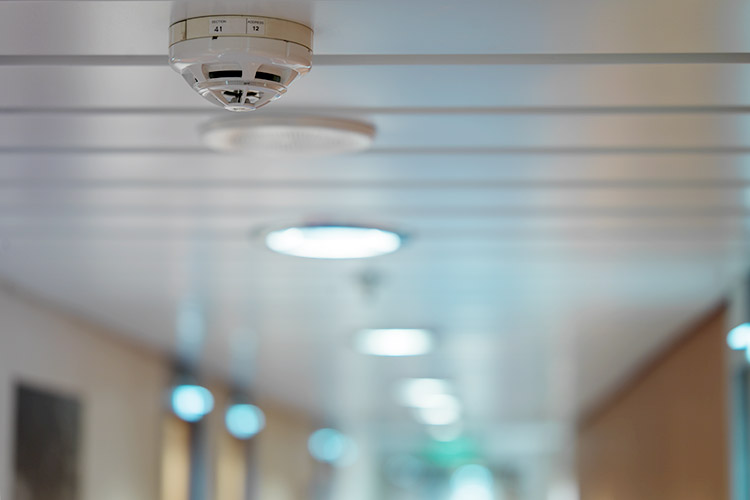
x=569 y=212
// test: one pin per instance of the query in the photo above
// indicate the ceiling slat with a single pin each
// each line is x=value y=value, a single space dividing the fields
x=409 y=59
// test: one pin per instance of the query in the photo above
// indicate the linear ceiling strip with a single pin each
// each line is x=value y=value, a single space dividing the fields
x=407 y=59
x=441 y=151
x=346 y=110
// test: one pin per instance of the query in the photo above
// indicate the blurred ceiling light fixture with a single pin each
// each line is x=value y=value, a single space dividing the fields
x=244 y=421
x=738 y=338
x=472 y=482
x=191 y=402
x=288 y=136
x=394 y=342
x=440 y=409
x=332 y=241
x=417 y=393
x=332 y=447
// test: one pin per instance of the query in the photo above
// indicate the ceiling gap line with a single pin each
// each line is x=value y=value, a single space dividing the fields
x=409 y=59
x=406 y=151
x=467 y=110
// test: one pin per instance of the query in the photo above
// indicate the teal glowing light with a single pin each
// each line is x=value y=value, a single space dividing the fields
x=454 y=453
x=244 y=421
x=192 y=402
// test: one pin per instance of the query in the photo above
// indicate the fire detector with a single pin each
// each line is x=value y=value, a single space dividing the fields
x=240 y=62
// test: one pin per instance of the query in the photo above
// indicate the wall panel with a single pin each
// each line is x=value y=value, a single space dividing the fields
x=664 y=436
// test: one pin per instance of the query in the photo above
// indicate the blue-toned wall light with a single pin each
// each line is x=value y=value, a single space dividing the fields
x=192 y=402
x=332 y=447
x=244 y=421
x=738 y=338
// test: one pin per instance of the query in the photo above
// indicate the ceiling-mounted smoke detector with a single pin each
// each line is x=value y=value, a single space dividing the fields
x=240 y=62
x=288 y=136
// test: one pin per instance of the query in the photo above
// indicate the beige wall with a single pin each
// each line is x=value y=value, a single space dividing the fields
x=175 y=459
x=128 y=439
x=121 y=389
x=282 y=466
x=665 y=435
x=285 y=468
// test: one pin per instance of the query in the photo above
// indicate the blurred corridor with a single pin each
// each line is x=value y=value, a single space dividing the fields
x=428 y=250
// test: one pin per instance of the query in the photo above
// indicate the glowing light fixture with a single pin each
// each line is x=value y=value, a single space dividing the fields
x=439 y=409
x=472 y=482
x=192 y=402
x=432 y=401
x=418 y=392
x=244 y=421
x=738 y=338
x=332 y=447
x=394 y=342
x=454 y=453
x=327 y=241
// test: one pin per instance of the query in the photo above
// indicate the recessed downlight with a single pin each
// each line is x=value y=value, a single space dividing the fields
x=394 y=342
x=440 y=409
x=432 y=401
x=420 y=392
x=330 y=241
x=472 y=482
x=282 y=136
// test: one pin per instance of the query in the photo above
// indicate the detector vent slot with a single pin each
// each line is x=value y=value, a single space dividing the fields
x=224 y=74
x=262 y=75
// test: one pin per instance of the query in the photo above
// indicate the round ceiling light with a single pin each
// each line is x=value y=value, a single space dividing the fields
x=421 y=392
x=394 y=342
x=328 y=241
x=288 y=136
x=440 y=409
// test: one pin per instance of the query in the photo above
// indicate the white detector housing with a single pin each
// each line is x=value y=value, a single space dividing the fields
x=240 y=62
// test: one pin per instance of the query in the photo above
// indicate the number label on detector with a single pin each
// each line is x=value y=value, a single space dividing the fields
x=226 y=26
x=256 y=26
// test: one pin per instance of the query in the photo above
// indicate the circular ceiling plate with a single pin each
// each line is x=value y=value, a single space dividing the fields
x=288 y=136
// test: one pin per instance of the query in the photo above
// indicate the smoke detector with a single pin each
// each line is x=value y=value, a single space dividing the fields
x=288 y=136
x=240 y=62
